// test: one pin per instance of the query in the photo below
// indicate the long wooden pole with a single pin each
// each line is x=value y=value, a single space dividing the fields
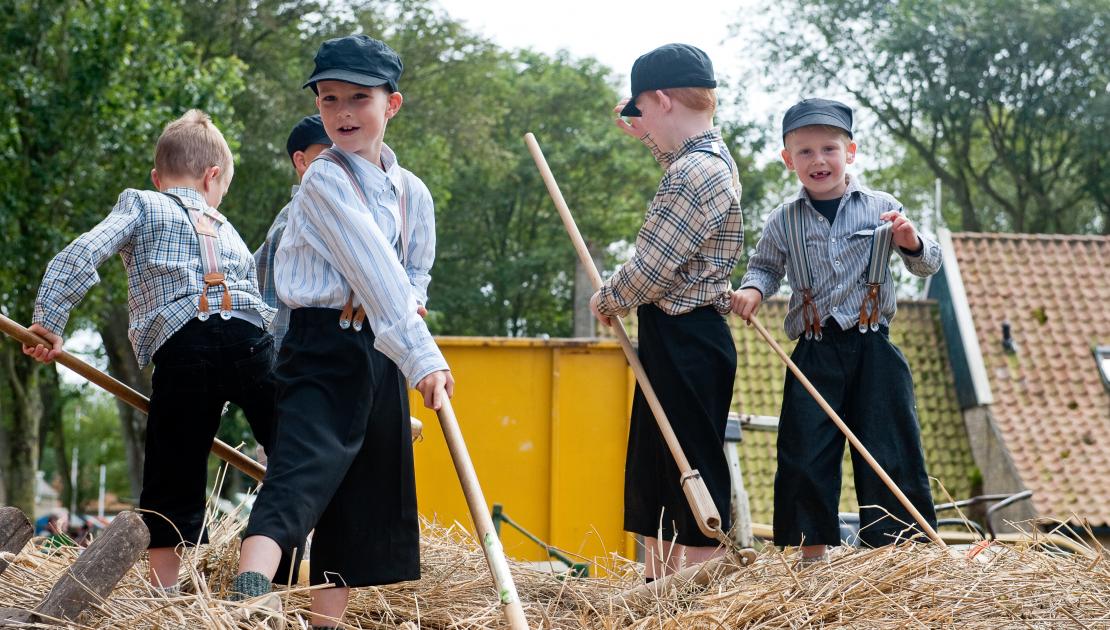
x=693 y=486
x=120 y=390
x=483 y=523
x=901 y=496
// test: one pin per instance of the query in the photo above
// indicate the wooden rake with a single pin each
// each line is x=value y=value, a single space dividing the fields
x=693 y=486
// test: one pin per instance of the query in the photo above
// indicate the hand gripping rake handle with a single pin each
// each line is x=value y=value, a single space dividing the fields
x=693 y=486
x=222 y=450
x=483 y=523
x=902 y=498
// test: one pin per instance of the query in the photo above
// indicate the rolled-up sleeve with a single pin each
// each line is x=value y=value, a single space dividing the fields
x=767 y=266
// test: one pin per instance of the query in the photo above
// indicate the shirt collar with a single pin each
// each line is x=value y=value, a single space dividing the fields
x=188 y=196
x=854 y=186
x=699 y=141
x=373 y=176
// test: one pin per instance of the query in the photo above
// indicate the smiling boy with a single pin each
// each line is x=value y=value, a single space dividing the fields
x=833 y=240
x=342 y=461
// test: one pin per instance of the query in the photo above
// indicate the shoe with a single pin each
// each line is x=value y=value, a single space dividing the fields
x=263 y=611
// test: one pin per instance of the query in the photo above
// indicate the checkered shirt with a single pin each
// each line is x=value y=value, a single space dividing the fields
x=161 y=253
x=692 y=235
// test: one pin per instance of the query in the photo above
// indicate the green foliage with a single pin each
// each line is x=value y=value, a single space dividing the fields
x=91 y=425
x=1005 y=102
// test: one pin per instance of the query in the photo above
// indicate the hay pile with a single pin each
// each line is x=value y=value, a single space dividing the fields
x=899 y=587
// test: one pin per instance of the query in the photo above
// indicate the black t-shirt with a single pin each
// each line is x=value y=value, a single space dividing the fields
x=827 y=207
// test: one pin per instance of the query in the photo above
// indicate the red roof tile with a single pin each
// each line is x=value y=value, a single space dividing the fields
x=1049 y=400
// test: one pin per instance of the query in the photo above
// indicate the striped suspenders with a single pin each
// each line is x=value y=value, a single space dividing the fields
x=351 y=317
x=802 y=281
x=207 y=224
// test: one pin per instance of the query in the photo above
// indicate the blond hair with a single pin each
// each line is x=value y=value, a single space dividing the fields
x=191 y=145
x=698 y=99
x=826 y=128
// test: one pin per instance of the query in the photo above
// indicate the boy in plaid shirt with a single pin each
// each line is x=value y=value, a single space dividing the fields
x=200 y=361
x=678 y=280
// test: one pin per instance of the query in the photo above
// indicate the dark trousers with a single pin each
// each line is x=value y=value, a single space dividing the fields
x=196 y=371
x=690 y=360
x=342 y=457
x=867 y=381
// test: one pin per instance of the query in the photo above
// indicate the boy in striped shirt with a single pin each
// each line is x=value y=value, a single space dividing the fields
x=830 y=239
x=201 y=359
x=343 y=461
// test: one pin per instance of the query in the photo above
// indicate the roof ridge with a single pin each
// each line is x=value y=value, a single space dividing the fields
x=1031 y=237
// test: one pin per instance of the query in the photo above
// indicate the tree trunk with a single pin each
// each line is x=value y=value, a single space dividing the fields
x=123 y=366
x=23 y=433
x=52 y=430
x=585 y=325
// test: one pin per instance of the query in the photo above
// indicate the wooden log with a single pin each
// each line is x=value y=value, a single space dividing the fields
x=700 y=574
x=97 y=570
x=15 y=531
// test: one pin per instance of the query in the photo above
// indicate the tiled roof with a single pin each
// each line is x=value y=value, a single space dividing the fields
x=1050 y=404
x=916 y=330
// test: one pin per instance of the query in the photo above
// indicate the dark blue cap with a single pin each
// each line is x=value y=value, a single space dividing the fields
x=309 y=131
x=357 y=59
x=817 y=111
x=669 y=66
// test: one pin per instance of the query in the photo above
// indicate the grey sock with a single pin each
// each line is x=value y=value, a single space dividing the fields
x=249 y=584
x=168 y=591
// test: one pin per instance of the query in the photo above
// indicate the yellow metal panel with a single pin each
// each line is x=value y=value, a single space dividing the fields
x=503 y=403
x=589 y=433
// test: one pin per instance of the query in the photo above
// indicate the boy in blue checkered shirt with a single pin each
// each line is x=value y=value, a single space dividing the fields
x=184 y=262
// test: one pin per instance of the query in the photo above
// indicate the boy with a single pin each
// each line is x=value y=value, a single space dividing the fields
x=306 y=141
x=678 y=280
x=184 y=262
x=342 y=460
x=834 y=238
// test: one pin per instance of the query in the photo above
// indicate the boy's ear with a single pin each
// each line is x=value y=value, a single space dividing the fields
x=850 y=153
x=212 y=175
x=154 y=178
x=788 y=159
x=395 y=102
x=663 y=100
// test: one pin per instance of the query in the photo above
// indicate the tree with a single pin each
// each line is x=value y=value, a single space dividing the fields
x=85 y=90
x=1005 y=102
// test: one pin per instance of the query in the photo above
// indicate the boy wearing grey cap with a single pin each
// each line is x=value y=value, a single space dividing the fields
x=678 y=282
x=342 y=463
x=306 y=141
x=833 y=240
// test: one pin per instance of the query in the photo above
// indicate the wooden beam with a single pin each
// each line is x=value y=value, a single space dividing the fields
x=15 y=531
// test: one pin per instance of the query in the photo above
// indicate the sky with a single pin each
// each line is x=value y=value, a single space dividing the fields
x=616 y=33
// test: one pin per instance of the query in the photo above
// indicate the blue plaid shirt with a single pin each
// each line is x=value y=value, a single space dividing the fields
x=264 y=261
x=160 y=250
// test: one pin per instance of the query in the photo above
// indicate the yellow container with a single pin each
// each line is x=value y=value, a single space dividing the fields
x=546 y=424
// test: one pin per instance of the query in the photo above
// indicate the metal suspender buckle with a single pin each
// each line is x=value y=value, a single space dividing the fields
x=345 y=315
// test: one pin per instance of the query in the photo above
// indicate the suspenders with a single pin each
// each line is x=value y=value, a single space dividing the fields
x=350 y=317
x=207 y=223
x=802 y=281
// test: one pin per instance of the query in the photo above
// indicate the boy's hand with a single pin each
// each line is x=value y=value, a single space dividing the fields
x=630 y=126
x=905 y=234
x=435 y=388
x=745 y=302
x=40 y=352
x=421 y=311
x=604 y=319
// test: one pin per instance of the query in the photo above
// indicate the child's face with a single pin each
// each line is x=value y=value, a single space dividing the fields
x=355 y=116
x=820 y=156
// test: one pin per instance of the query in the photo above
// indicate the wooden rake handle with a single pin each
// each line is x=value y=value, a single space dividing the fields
x=483 y=523
x=901 y=496
x=697 y=494
x=120 y=390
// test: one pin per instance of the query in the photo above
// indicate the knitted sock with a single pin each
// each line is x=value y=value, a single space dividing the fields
x=168 y=591
x=249 y=584
x=324 y=627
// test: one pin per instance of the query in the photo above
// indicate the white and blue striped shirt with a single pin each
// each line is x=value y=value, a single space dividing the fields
x=333 y=244
x=838 y=256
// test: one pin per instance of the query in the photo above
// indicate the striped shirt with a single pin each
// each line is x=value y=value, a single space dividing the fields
x=692 y=235
x=333 y=244
x=161 y=253
x=838 y=255
x=264 y=261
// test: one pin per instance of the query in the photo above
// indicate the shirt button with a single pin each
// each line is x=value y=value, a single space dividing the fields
x=834 y=240
x=836 y=262
x=840 y=286
x=836 y=308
